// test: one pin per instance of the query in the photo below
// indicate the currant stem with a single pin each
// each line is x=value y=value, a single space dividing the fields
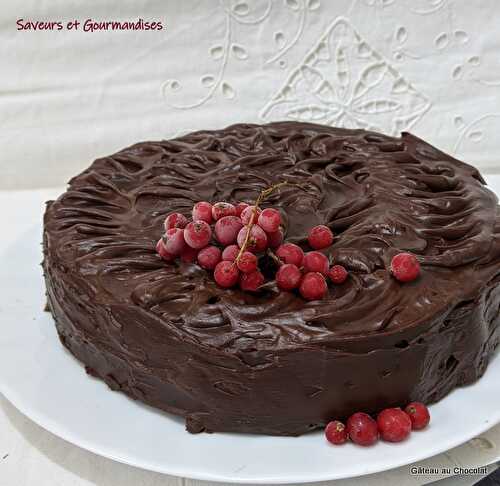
x=262 y=196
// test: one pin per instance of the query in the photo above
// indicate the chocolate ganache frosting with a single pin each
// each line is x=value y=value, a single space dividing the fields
x=271 y=362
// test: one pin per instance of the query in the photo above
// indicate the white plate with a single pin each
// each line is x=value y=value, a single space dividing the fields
x=48 y=385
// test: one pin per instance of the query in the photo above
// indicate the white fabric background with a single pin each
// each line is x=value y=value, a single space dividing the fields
x=68 y=97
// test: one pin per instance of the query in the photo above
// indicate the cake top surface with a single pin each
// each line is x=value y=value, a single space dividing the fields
x=380 y=195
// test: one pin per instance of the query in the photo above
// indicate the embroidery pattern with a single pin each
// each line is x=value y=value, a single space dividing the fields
x=343 y=81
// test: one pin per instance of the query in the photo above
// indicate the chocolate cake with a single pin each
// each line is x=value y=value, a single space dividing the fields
x=270 y=362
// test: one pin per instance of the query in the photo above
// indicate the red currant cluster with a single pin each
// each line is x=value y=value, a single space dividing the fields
x=227 y=240
x=241 y=232
x=392 y=425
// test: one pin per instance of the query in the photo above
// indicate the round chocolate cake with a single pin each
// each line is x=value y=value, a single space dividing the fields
x=271 y=362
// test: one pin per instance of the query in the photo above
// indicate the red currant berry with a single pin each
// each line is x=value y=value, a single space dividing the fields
x=288 y=276
x=419 y=415
x=208 y=257
x=393 y=424
x=290 y=253
x=313 y=286
x=162 y=251
x=269 y=220
x=202 y=211
x=197 y=234
x=189 y=255
x=336 y=433
x=227 y=228
x=275 y=239
x=226 y=274
x=320 y=237
x=240 y=207
x=175 y=220
x=362 y=429
x=230 y=253
x=221 y=209
x=174 y=241
x=252 y=281
x=246 y=215
x=405 y=267
x=338 y=274
x=314 y=261
x=257 y=241
x=247 y=262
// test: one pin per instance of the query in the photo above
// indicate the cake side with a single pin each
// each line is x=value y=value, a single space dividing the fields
x=272 y=363
x=300 y=391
